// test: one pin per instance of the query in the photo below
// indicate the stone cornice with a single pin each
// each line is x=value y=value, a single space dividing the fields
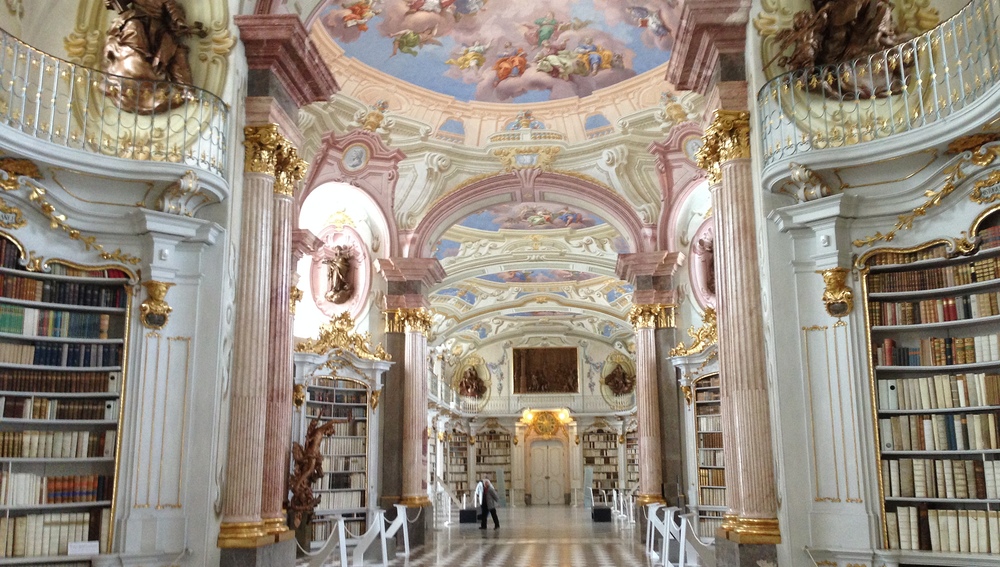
x=633 y=267
x=280 y=43
x=707 y=28
x=427 y=271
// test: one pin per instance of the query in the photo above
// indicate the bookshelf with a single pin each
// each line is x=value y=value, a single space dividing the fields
x=343 y=488
x=711 y=467
x=62 y=353
x=458 y=462
x=600 y=451
x=933 y=319
x=632 y=458
x=493 y=452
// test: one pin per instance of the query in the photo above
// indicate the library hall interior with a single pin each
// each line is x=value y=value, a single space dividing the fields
x=443 y=283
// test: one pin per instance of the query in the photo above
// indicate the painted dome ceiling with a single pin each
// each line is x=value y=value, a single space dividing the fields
x=501 y=50
x=551 y=264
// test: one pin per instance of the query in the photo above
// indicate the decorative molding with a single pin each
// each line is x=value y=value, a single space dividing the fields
x=987 y=190
x=183 y=197
x=704 y=336
x=808 y=185
x=727 y=138
x=288 y=170
x=58 y=221
x=408 y=320
x=154 y=311
x=299 y=395
x=10 y=216
x=262 y=144
x=294 y=296
x=972 y=143
x=337 y=335
x=954 y=174
x=837 y=297
x=15 y=168
x=532 y=157
x=656 y=316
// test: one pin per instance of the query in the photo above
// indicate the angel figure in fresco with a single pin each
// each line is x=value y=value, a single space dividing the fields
x=567 y=217
x=435 y=6
x=594 y=56
x=510 y=63
x=468 y=8
x=361 y=12
x=408 y=41
x=548 y=28
x=558 y=61
x=473 y=56
x=646 y=18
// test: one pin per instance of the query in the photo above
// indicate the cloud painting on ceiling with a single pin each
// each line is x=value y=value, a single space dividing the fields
x=538 y=276
x=498 y=50
x=530 y=216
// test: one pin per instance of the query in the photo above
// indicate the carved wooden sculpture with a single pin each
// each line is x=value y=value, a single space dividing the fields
x=308 y=469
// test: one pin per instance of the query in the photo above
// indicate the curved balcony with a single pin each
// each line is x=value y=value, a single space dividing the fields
x=84 y=109
x=915 y=84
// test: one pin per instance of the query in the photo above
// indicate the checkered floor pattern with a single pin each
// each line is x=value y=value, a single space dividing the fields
x=531 y=537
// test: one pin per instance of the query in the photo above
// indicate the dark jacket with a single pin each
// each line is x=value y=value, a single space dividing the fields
x=490 y=497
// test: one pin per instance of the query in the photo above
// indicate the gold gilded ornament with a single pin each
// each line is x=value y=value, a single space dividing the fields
x=154 y=311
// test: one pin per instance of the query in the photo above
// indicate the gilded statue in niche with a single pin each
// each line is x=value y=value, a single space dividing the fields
x=836 y=32
x=620 y=381
x=338 y=274
x=144 y=43
x=471 y=385
x=308 y=461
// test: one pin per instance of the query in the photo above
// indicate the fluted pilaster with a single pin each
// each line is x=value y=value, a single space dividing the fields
x=416 y=325
x=746 y=421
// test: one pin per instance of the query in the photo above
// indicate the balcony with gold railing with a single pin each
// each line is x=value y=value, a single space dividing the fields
x=88 y=110
x=941 y=73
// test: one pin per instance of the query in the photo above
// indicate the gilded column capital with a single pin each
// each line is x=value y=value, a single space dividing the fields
x=262 y=145
x=408 y=320
x=652 y=316
x=727 y=138
x=289 y=169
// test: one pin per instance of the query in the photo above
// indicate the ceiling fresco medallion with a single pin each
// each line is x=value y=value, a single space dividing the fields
x=504 y=51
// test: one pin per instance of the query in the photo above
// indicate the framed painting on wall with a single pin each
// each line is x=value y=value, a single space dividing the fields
x=546 y=370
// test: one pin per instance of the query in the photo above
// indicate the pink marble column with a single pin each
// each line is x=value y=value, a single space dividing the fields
x=647 y=414
x=277 y=439
x=417 y=323
x=746 y=424
x=241 y=507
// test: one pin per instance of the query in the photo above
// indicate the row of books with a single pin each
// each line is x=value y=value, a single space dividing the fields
x=600 y=444
x=708 y=523
x=339 y=481
x=347 y=428
x=941 y=391
x=709 y=422
x=335 y=500
x=929 y=529
x=940 y=432
x=38 y=407
x=67 y=293
x=63 y=270
x=937 y=351
x=707 y=396
x=494 y=445
x=712 y=496
x=339 y=384
x=895 y=258
x=57 y=444
x=342 y=446
x=41 y=535
x=989 y=237
x=69 y=355
x=934 y=278
x=332 y=464
x=49 y=382
x=711 y=458
x=28 y=489
x=710 y=440
x=336 y=412
x=323 y=529
x=338 y=396
x=492 y=459
x=605 y=460
x=939 y=310
x=711 y=477
x=31 y=322
x=941 y=478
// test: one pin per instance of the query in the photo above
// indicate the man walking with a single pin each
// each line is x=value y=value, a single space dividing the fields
x=490 y=499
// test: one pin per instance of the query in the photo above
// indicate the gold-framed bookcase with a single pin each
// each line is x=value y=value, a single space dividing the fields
x=64 y=337
x=932 y=322
x=343 y=488
x=457 y=462
x=708 y=444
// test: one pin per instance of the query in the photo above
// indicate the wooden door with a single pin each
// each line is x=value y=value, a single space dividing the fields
x=548 y=472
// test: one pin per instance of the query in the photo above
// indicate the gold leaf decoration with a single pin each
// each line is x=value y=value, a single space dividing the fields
x=57 y=221
x=704 y=336
x=337 y=335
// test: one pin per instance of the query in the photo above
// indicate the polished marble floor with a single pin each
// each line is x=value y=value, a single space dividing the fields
x=554 y=536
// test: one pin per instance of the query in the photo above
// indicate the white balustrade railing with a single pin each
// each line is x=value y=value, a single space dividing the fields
x=81 y=108
x=908 y=86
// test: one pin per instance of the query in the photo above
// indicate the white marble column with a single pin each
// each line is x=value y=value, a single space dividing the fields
x=746 y=425
x=277 y=440
x=416 y=323
x=241 y=506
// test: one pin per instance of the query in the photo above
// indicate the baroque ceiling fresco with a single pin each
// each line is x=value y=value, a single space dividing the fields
x=504 y=51
x=550 y=264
